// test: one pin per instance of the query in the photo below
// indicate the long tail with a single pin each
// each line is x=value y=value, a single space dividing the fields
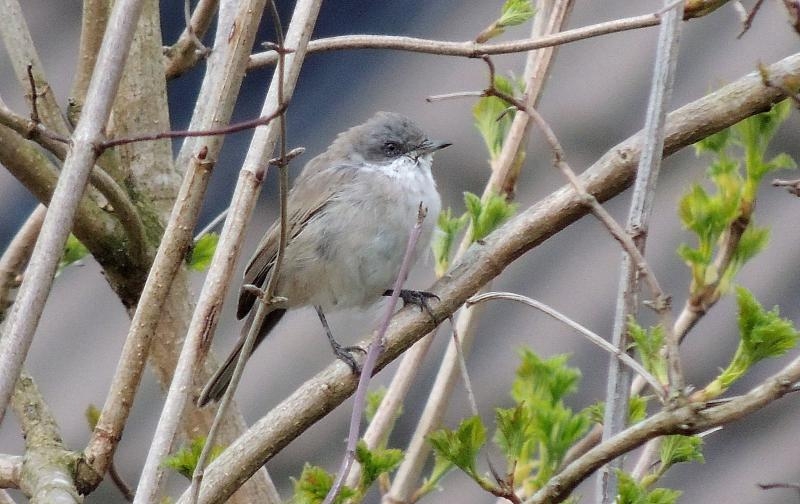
x=219 y=382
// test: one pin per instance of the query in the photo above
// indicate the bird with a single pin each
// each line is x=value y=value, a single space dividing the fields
x=350 y=212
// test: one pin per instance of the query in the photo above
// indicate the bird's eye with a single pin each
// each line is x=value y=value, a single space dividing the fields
x=391 y=149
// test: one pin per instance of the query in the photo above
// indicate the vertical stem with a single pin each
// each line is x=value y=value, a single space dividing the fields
x=619 y=379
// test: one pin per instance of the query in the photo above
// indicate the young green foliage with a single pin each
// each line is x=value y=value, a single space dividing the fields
x=514 y=12
x=184 y=460
x=648 y=344
x=534 y=434
x=763 y=334
x=536 y=438
x=446 y=235
x=631 y=492
x=738 y=165
x=484 y=217
x=374 y=463
x=203 y=252
x=313 y=487
x=493 y=117
x=488 y=214
x=460 y=447
x=637 y=410
x=74 y=251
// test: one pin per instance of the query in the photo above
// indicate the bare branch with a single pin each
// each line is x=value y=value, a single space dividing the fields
x=467 y=49
x=594 y=338
x=186 y=52
x=10 y=471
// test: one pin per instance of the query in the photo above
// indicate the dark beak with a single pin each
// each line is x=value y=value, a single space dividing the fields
x=431 y=146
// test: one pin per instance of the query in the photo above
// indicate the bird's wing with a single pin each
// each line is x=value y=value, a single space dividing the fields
x=312 y=191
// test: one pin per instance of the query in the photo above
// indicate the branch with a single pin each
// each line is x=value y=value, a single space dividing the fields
x=94 y=19
x=469 y=49
x=47 y=467
x=185 y=53
x=16 y=256
x=593 y=338
x=686 y=420
x=10 y=471
x=609 y=176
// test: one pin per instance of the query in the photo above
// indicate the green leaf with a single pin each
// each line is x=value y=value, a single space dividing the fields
x=92 y=415
x=376 y=462
x=547 y=380
x=679 y=449
x=203 y=252
x=764 y=333
x=631 y=492
x=313 y=487
x=184 y=460
x=461 y=446
x=516 y=12
x=493 y=117
x=445 y=237
x=513 y=437
x=648 y=344
x=74 y=251
x=715 y=143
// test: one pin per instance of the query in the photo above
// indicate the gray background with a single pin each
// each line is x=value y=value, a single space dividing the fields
x=595 y=97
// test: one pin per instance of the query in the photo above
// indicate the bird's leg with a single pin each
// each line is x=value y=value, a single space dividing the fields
x=343 y=353
x=416 y=298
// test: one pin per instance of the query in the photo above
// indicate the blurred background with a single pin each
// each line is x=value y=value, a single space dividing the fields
x=595 y=97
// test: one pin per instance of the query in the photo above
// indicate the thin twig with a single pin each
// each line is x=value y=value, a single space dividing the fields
x=375 y=349
x=619 y=379
x=467 y=49
x=185 y=52
x=593 y=337
x=16 y=255
x=267 y=298
x=119 y=482
x=462 y=366
x=34 y=96
x=212 y=224
x=227 y=130
x=748 y=21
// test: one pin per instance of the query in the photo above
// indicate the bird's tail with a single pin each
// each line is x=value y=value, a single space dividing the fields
x=220 y=380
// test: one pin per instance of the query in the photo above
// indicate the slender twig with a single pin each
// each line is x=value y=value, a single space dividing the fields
x=606 y=178
x=119 y=482
x=185 y=52
x=593 y=337
x=748 y=21
x=212 y=224
x=219 y=275
x=375 y=349
x=189 y=30
x=685 y=420
x=226 y=130
x=619 y=379
x=16 y=256
x=34 y=96
x=267 y=297
x=468 y=49
x=35 y=288
x=221 y=83
x=462 y=366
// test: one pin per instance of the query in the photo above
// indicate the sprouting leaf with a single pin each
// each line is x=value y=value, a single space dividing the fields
x=514 y=12
x=203 y=252
x=493 y=117
x=376 y=462
x=185 y=460
x=74 y=251
x=313 y=485
x=461 y=446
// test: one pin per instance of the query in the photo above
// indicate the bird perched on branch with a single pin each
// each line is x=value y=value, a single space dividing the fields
x=350 y=212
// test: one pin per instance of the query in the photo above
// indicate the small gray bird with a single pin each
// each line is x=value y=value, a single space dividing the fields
x=350 y=213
